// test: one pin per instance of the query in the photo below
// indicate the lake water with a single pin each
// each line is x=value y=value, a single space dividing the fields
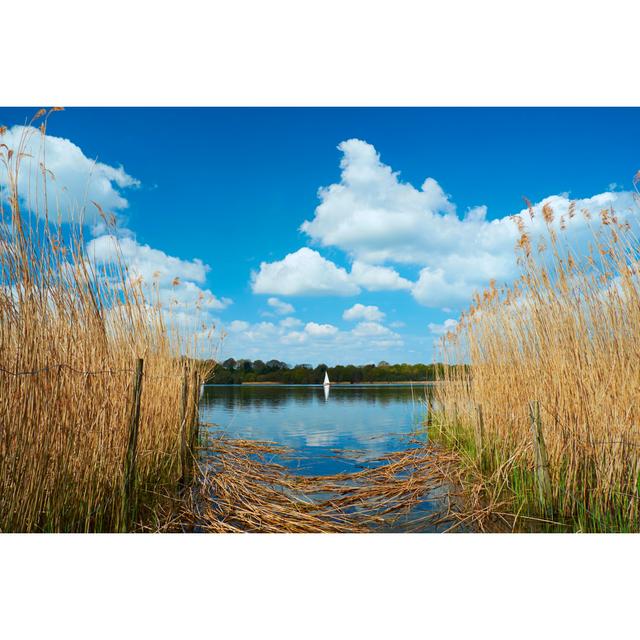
x=363 y=421
x=341 y=429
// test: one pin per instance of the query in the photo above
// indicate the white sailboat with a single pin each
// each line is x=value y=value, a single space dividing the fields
x=326 y=385
x=326 y=382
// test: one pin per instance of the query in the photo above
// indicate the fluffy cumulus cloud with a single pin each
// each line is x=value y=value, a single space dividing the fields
x=371 y=329
x=238 y=325
x=374 y=216
x=395 y=236
x=73 y=180
x=280 y=307
x=143 y=260
x=377 y=219
x=307 y=273
x=290 y=323
x=376 y=278
x=362 y=312
x=440 y=329
x=436 y=287
x=58 y=179
x=304 y=272
x=320 y=330
x=175 y=282
x=177 y=285
x=314 y=342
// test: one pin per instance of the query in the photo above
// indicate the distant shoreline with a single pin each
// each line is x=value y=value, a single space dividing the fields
x=333 y=384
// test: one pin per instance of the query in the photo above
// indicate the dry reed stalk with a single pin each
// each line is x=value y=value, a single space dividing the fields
x=243 y=490
x=563 y=335
x=70 y=333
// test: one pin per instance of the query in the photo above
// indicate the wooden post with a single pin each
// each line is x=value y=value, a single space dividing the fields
x=195 y=417
x=428 y=419
x=128 y=494
x=543 y=477
x=184 y=439
x=480 y=436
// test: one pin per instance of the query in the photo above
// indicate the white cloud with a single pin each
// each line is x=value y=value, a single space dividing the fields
x=433 y=288
x=188 y=294
x=171 y=279
x=374 y=278
x=294 y=337
x=316 y=342
x=362 y=312
x=397 y=324
x=476 y=214
x=376 y=218
x=74 y=181
x=440 y=329
x=290 y=323
x=145 y=261
x=320 y=330
x=371 y=329
x=281 y=307
x=373 y=216
x=238 y=325
x=304 y=272
x=261 y=329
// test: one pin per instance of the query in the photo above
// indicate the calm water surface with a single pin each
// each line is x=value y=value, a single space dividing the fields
x=363 y=421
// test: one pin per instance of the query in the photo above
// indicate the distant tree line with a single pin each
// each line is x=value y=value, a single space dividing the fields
x=240 y=371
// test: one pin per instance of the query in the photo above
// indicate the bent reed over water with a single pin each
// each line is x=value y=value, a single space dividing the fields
x=242 y=489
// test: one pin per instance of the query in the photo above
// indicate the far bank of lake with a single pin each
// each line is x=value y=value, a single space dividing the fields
x=400 y=383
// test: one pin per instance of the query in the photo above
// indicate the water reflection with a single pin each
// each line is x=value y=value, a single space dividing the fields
x=275 y=395
x=363 y=421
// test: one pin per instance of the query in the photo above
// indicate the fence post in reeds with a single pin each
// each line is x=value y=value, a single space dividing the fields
x=543 y=477
x=128 y=495
x=193 y=443
x=428 y=418
x=184 y=438
x=480 y=436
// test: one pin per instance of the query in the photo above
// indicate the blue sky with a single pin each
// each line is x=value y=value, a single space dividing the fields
x=230 y=188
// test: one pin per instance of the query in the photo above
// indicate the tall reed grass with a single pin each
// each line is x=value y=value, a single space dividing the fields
x=70 y=334
x=565 y=334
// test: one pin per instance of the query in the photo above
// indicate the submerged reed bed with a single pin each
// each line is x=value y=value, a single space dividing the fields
x=243 y=488
x=558 y=350
x=70 y=336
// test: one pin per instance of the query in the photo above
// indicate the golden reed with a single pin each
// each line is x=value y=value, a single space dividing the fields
x=70 y=334
x=565 y=335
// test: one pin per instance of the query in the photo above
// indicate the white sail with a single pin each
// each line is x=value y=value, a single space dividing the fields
x=326 y=379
